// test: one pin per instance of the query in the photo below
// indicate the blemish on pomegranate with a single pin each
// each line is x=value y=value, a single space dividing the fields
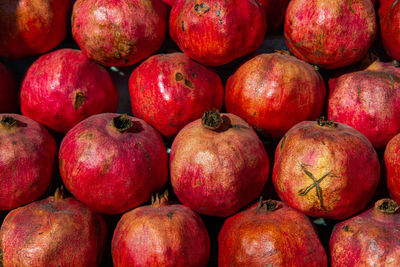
x=169 y=214
x=283 y=142
x=201 y=9
x=189 y=84
x=183 y=26
x=178 y=77
x=79 y=99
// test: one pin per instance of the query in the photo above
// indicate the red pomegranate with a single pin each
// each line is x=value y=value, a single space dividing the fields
x=369 y=239
x=218 y=164
x=8 y=91
x=392 y=163
x=27 y=160
x=270 y=234
x=113 y=162
x=368 y=101
x=119 y=32
x=31 y=27
x=64 y=87
x=160 y=235
x=389 y=14
x=215 y=32
x=275 y=13
x=273 y=92
x=330 y=33
x=325 y=169
x=170 y=90
x=55 y=231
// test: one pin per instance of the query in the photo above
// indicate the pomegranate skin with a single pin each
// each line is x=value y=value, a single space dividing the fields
x=389 y=15
x=392 y=163
x=112 y=162
x=160 y=235
x=369 y=239
x=52 y=232
x=27 y=160
x=216 y=32
x=170 y=90
x=330 y=33
x=261 y=236
x=368 y=101
x=31 y=27
x=119 y=32
x=273 y=92
x=64 y=87
x=8 y=91
x=325 y=169
x=218 y=172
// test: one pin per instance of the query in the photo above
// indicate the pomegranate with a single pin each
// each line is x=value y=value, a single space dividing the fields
x=113 y=162
x=392 y=163
x=215 y=32
x=64 y=87
x=170 y=90
x=31 y=27
x=160 y=234
x=389 y=14
x=273 y=92
x=275 y=13
x=325 y=169
x=369 y=239
x=119 y=32
x=270 y=234
x=218 y=164
x=368 y=101
x=8 y=91
x=330 y=33
x=27 y=160
x=55 y=231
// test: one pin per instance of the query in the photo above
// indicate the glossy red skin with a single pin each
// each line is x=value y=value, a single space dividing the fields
x=27 y=161
x=389 y=14
x=341 y=154
x=169 y=101
x=109 y=171
x=163 y=236
x=392 y=163
x=330 y=33
x=217 y=173
x=50 y=87
x=52 y=232
x=282 y=237
x=219 y=31
x=275 y=13
x=368 y=101
x=31 y=27
x=119 y=32
x=369 y=239
x=8 y=91
x=273 y=92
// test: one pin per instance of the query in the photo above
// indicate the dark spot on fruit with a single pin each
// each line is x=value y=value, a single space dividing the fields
x=201 y=9
x=194 y=75
x=189 y=84
x=347 y=229
x=126 y=60
x=169 y=214
x=178 y=77
x=79 y=99
x=183 y=26
x=14 y=142
x=40 y=233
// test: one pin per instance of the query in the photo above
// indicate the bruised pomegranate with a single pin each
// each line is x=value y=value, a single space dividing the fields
x=368 y=101
x=31 y=27
x=170 y=90
x=8 y=91
x=275 y=13
x=160 y=235
x=119 y=32
x=369 y=239
x=270 y=234
x=27 y=160
x=273 y=92
x=55 y=231
x=113 y=162
x=215 y=32
x=218 y=164
x=389 y=14
x=64 y=87
x=325 y=169
x=392 y=163
x=330 y=33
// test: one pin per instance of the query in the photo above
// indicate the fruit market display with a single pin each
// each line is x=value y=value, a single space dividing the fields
x=271 y=126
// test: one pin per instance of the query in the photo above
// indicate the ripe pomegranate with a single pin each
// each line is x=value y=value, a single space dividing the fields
x=64 y=87
x=8 y=91
x=215 y=32
x=392 y=163
x=273 y=92
x=325 y=169
x=55 y=231
x=218 y=164
x=119 y=32
x=113 y=162
x=170 y=90
x=275 y=13
x=27 y=160
x=31 y=27
x=368 y=101
x=389 y=14
x=270 y=234
x=330 y=33
x=369 y=239
x=160 y=234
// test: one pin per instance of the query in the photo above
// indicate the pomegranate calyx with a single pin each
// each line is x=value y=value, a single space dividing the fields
x=158 y=200
x=387 y=205
x=59 y=194
x=323 y=122
x=396 y=63
x=267 y=205
x=122 y=123
x=212 y=120
x=8 y=122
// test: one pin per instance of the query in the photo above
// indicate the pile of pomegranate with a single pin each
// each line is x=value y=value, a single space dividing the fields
x=199 y=133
